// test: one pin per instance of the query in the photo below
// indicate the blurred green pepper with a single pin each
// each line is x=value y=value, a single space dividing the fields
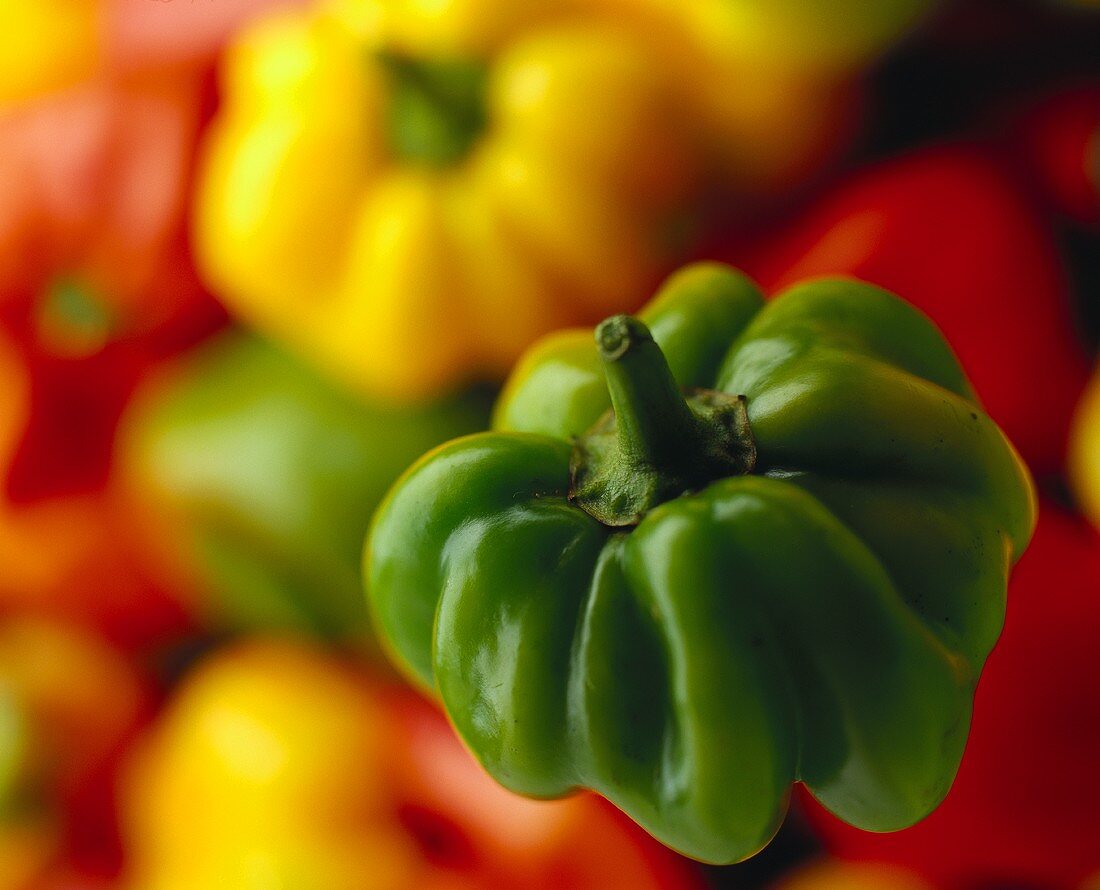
x=761 y=544
x=270 y=476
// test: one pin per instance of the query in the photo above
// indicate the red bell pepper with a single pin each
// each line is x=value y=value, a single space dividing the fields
x=96 y=283
x=1057 y=141
x=69 y=547
x=1024 y=808
x=94 y=200
x=950 y=230
x=96 y=277
x=93 y=212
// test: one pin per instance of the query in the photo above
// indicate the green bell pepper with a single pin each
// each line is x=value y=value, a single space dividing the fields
x=780 y=556
x=272 y=474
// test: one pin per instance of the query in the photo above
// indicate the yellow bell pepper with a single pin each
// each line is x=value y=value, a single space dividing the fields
x=410 y=193
x=247 y=782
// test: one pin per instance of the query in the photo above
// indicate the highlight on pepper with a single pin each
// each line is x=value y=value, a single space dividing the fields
x=732 y=546
x=739 y=591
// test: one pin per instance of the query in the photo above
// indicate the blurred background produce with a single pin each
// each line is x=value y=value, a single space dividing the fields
x=383 y=181
x=70 y=704
x=257 y=255
x=278 y=764
x=261 y=478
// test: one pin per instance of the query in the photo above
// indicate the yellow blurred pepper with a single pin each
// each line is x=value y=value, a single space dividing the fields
x=46 y=45
x=256 y=778
x=277 y=765
x=410 y=193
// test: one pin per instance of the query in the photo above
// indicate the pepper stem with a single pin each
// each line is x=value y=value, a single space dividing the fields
x=657 y=442
x=655 y=425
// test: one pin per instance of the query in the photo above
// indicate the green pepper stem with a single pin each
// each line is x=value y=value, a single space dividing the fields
x=654 y=424
x=656 y=443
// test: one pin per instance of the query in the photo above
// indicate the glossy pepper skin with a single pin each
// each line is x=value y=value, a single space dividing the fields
x=997 y=286
x=267 y=476
x=1023 y=810
x=820 y=618
x=383 y=183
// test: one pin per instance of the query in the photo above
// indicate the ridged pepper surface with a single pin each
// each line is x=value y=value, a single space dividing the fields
x=781 y=557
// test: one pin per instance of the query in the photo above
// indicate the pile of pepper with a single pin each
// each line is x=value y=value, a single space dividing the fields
x=558 y=444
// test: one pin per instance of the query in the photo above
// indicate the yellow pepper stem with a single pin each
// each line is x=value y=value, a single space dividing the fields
x=657 y=442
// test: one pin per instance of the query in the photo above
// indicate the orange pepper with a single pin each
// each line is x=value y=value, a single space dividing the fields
x=46 y=44
x=69 y=703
